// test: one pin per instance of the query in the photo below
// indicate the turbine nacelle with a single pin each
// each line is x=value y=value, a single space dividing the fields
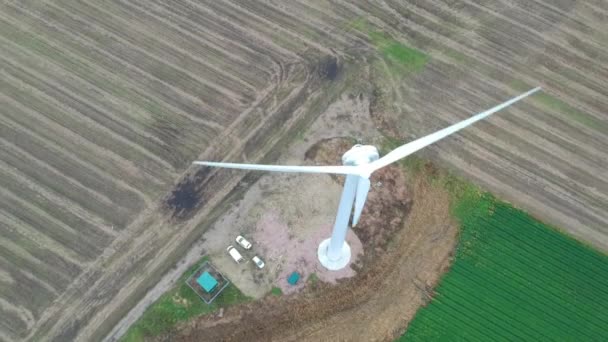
x=360 y=155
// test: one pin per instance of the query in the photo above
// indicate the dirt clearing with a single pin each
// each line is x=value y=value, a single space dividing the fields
x=385 y=294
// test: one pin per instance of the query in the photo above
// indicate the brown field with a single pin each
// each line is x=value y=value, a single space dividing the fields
x=103 y=104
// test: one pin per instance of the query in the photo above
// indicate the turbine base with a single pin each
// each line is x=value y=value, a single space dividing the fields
x=333 y=265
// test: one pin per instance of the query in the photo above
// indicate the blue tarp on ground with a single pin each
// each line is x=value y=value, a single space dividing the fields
x=293 y=278
x=207 y=282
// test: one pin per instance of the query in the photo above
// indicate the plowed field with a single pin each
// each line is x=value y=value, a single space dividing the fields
x=103 y=104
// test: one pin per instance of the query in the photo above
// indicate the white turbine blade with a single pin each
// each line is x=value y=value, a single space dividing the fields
x=362 y=190
x=344 y=170
x=411 y=147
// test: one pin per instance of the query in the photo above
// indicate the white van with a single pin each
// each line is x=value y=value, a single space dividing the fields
x=234 y=254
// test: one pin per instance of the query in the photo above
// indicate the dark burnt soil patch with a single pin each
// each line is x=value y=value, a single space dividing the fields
x=186 y=195
x=189 y=195
x=329 y=68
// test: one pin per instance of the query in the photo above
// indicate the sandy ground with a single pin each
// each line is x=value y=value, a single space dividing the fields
x=286 y=216
x=385 y=294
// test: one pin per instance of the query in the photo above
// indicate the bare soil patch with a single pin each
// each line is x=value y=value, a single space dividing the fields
x=385 y=293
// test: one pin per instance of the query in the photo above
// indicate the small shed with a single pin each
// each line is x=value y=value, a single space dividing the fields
x=207 y=282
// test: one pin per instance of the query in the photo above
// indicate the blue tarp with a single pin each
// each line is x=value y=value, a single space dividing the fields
x=207 y=282
x=293 y=278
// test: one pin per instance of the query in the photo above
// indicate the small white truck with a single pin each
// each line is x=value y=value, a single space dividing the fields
x=235 y=254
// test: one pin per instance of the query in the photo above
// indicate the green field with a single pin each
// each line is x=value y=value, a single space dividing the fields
x=177 y=305
x=399 y=58
x=514 y=278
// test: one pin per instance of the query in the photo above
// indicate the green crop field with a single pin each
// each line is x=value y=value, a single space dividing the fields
x=515 y=278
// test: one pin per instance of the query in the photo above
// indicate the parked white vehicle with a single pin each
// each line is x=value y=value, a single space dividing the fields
x=234 y=254
x=243 y=242
x=258 y=262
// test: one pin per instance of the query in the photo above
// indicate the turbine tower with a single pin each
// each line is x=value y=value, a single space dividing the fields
x=358 y=164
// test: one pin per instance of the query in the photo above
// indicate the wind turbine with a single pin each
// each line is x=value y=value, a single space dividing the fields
x=358 y=164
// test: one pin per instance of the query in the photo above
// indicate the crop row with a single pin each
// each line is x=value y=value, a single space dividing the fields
x=515 y=278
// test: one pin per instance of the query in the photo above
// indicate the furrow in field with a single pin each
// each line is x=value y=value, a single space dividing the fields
x=556 y=14
x=90 y=199
x=80 y=53
x=537 y=204
x=322 y=12
x=426 y=37
x=27 y=291
x=6 y=277
x=290 y=24
x=38 y=101
x=523 y=130
x=167 y=49
x=19 y=58
x=528 y=18
x=550 y=130
x=137 y=113
x=497 y=139
x=91 y=178
x=23 y=314
x=592 y=208
x=461 y=48
x=116 y=168
x=585 y=44
x=13 y=239
x=584 y=144
x=211 y=65
x=508 y=23
x=529 y=168
x=594 y=9
x=308 y=21
x=562 y=57
x=61 y=208
x=162 y=133
x=574 y=91
x=40 y=240
x=67 y=96
x=563 y=133
x=221 y=34
x=260 y=27
x=25 y=278
x=156 y=60
x=71 y=240
x=234 y=55
x=225 y=32
x=12 y=325
x=514 y=178
x=43 y=272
